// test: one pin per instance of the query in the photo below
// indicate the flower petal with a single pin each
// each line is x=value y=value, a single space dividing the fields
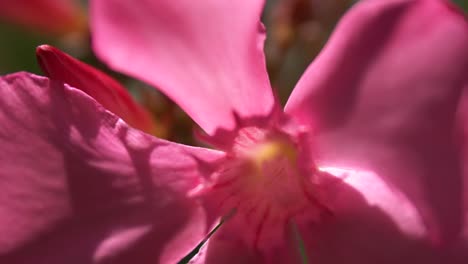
x=207 y=56
x=77 y=185
x=370 y=223
x=383 y=96
x=373 y=223
x=229 y=251
x=463 y=117
x=108 y=92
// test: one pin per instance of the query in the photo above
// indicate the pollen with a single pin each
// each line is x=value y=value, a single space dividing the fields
x=272 y=150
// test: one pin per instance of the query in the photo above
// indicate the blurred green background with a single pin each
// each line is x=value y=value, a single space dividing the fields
x=18 y=42
x=295 y=28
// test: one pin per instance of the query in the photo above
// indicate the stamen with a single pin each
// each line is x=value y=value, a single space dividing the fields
x=271 y=150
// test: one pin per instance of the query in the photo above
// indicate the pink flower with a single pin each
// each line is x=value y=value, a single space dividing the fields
x=366 y=164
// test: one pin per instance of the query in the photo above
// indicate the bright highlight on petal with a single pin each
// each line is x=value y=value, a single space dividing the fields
x=379 y=194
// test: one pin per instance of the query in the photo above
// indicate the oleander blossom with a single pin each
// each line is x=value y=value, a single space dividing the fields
x=365 y=164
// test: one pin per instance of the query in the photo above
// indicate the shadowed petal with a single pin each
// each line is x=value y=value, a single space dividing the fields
x=383 y=96
x=77 y=185
x=207 y=56
x=463 y=117
x=373 y=223
x=108 y=92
